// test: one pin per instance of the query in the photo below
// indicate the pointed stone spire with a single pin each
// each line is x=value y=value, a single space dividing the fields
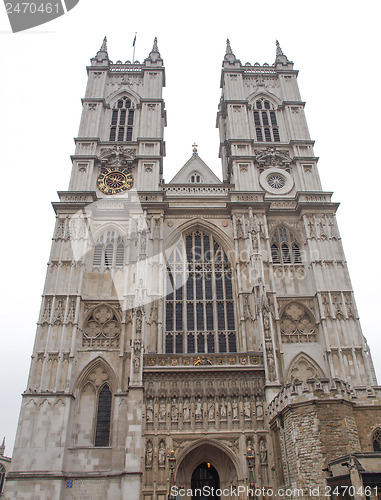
x=104 y=45
x=229 y=58
x=281 y=58
x=2 y=448
x=228 y=47
x=102 y=56
x=154 y=55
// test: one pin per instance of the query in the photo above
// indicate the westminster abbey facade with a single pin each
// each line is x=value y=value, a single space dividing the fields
x=198 y=332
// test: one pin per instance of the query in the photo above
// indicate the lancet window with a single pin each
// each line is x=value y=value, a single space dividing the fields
x=284 y=247
x=376 y=441
x=109 y=251
x=103 y=423
x=122 y=120
x=265 y=120
x=199 y=307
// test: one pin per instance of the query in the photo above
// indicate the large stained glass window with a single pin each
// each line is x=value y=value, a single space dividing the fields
x=199 y=308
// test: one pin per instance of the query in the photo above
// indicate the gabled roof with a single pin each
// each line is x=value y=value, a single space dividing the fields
x=195 y=165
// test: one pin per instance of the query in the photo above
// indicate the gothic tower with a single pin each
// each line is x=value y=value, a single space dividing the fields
x=197 y=332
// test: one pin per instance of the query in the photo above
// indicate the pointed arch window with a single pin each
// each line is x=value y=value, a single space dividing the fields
x=2 y=478
x=103 y=424
x=376 y=440
x=196 y=178
x=265 y=120
x=199 y=306
x=122 y=120
x=109 y=251
x=284 y=247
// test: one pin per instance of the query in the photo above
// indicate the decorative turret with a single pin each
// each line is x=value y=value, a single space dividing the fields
x=230 y=58
x=281 y=58
x=154 y=56
x=102 y=56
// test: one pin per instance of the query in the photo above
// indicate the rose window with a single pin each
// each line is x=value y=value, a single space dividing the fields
x=276 y=181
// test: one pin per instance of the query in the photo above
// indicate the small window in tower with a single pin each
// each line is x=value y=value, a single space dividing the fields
x=97 y=260
x=273 y=119
x=377 y=440
x=169 y=317
x=258 y=132
x=114 y=119
x=296 y=253
x=267 y=105
x=286 y=254
x=102 y=433
x=109 y=253
x=179 y=317
x=120 y=134
x=276 y=135
x=259 y=105
x=120 y=104
x=267 y=135
x=265 y=119
x=275 y=253
x=112 y=133
x=128 y=103
x=129 y=134
x=257 y=120
x=122 y=119
x=130 y=117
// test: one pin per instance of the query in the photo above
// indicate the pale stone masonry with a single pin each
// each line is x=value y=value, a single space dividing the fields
x=198 y=332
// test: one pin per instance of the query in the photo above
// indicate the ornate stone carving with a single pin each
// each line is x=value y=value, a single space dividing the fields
x=118 y=156
x=161 y=455
x=102 y=328
x=297 y=324
x=149 y=455
x=272 y=157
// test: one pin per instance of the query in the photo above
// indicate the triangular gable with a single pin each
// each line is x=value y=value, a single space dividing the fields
x=195 y=166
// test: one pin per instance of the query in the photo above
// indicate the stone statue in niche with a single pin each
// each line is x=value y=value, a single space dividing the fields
x=149 y=454
x=161 y=456
x=259 y=411
x=186 y=410
x=247 y=408
x=162 y=411
x=198 y=409
x=149 y=411
x=136 y=362
x=211 y=411
x=223 y=409
x=174 y=410
x=239 y=228
x=263 y=451
x=234 y=409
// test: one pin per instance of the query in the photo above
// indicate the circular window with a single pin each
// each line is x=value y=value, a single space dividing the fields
x=276 y=181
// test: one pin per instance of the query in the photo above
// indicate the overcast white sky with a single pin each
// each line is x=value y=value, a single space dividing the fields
x=335 y=46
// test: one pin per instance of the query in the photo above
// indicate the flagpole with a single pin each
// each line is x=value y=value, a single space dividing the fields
x=133 y=44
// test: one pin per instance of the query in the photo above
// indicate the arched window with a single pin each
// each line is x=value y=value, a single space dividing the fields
x=265 y=121
x=376 y=441
x=199 y=308
x=2 y=478
x=122 y=120
x=284 y=247
x=109 y=251
x=102 y=429
x=196 y=178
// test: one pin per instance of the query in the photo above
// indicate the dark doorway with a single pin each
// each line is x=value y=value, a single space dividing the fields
x=205 y=481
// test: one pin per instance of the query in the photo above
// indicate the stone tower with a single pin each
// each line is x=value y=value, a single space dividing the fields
x=195 y=333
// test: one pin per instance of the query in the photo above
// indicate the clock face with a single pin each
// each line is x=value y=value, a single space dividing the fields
x=114 y=180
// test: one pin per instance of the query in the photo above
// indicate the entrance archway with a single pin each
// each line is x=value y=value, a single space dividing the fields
x=224 y=471
x=205 y=482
